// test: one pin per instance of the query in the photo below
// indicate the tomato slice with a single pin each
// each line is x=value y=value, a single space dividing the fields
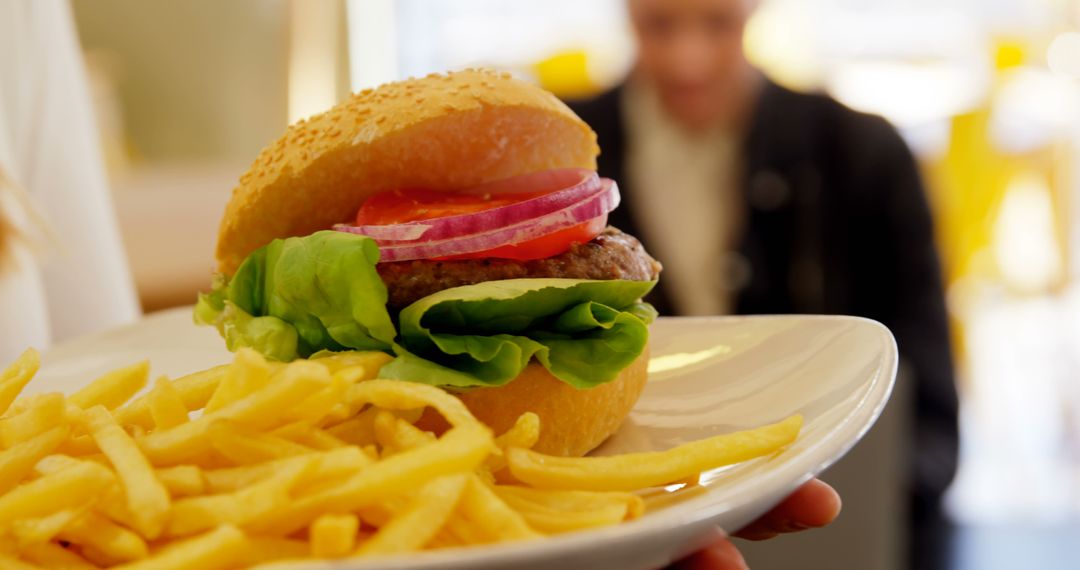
x=413 y=204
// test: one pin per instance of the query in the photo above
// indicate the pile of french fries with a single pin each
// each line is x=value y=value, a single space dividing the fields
x=256 y=463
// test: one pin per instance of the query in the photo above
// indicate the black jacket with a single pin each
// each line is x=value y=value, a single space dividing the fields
x=837 y=223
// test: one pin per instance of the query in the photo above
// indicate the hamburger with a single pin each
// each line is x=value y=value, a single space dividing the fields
x=457 y=223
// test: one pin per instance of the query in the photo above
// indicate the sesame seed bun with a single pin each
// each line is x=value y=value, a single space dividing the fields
x=441 y=132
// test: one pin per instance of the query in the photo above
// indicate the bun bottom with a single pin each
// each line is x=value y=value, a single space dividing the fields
x=572 y=421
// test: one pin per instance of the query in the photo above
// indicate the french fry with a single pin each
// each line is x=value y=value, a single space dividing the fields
x=52 y=555
x=57 y=463
x=18 y=461
x=12 y=563
x=147 y=498
x=304 y=433
x=243 y=446
x=360 y=429
x=357 y=430
x=79 y=446
x=305 y=458
x=44 y=413
x=257 y=410
x=334 y=536
x=248 y=373
x=182 y=480
x=371 y=361
x=113 y=388
x=328 y=401
x=198 y=514
x=459 y=450
x=112 y=502
x=331 y=464
x=216 y=550
x=115 y=543
x=639 y=470
x=66 y=489
x=395 y=434
x=554 y=512
x=524 y=434
x=262 y=550
x=114 y=506
x=397 y=395
x=418 y=523
x=166 y=406
x=15 y=377
x=44 y=529
x=195 y=391
x=491 y=517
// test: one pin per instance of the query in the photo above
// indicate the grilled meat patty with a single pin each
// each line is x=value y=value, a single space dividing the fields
x=611 y=255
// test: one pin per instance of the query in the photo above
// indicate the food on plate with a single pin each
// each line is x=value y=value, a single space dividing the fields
x=314 y=459
x=457 y=223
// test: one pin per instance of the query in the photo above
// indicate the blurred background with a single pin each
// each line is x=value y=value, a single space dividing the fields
x=986 y=93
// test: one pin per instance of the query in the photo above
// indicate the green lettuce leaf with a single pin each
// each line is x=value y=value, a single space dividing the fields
x=584 y=332
x=297 y=296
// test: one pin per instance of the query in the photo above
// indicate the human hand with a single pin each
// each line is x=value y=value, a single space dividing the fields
x=813 y=505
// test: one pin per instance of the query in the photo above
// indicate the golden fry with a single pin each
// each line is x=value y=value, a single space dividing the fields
x=243 y=446
x=357 y=430
x=15 y=377
x=197 y=514
x=395 y=434
x=52 y=555
x=44 y=413
x=371 y=361
x=114 y=388
x=308 y=435
x=69 y=488
x=262 y=551
x=524 y=434
x=194 y=389
x=44 y=529
x=554 y=512
x=249 y=372
x=182 y=480
x=216 y=550
x=360 y=429
x=324 y=402
x=460 y=450
x=166 y=406
x=290 y=462
x=115 y=543
x=79 y=446
x=12 y=563
x=147 y=498
x=639 y=470
x=258 y=410
x=421 y=519
x=18 y=461
x=490 y=515
x=397 y=395
x=334 y=536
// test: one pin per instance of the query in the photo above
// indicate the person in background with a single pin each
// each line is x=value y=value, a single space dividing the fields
x=761 y=200
x=62 y=268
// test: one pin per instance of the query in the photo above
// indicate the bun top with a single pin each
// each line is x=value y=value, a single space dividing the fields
x=442 y=132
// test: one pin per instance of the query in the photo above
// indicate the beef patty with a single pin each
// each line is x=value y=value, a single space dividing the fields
x=611 y=255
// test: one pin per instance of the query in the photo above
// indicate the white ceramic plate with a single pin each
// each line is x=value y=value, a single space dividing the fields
x=707 y=376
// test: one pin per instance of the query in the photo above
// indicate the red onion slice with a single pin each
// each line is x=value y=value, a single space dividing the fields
x=593 y=206
x=565 y=186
